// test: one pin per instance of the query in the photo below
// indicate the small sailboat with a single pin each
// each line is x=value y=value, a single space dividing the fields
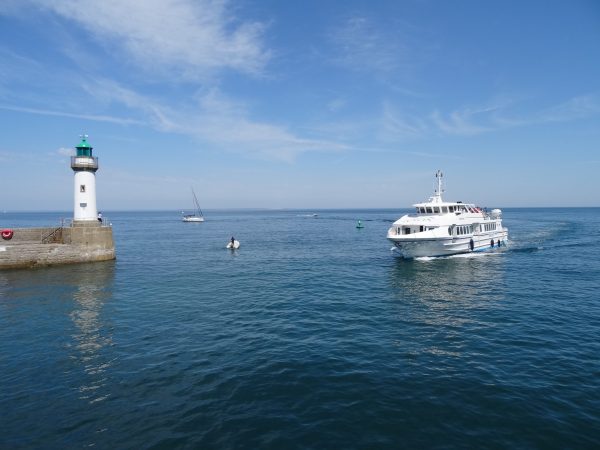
x=197 y=216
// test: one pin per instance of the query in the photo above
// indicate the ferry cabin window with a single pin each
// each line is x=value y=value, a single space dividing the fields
x=421 y=228
x=464 y=229
x=429 y=210
x=436 y=209
x=444 y=209
x=406 y=230
x=422 y=210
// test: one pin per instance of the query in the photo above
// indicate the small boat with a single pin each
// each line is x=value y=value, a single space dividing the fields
x=359 y=225
x=233 y=245
x=439 y=228
x=197 y=216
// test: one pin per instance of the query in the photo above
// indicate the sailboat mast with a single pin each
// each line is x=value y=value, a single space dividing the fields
x=196 y=203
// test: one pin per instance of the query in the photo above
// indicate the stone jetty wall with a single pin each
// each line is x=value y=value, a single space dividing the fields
x=33 y=247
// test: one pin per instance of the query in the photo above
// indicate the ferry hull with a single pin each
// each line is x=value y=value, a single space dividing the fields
x=416 y=248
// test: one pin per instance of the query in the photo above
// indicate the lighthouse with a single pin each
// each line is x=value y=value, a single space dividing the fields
x=85 y=165
x=85 y=240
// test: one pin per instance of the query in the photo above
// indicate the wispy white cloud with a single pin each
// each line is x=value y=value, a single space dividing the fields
x=362 y=45
x=218 y=120
x=192 y=37
x=97 y=118
x=227 y=124
x=574 y=108
x=396 y=125
x=503 y=115
x=462 y=122
x=64 y=151
x=11 y=59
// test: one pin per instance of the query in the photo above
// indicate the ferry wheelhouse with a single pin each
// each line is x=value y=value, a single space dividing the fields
x=439 y=228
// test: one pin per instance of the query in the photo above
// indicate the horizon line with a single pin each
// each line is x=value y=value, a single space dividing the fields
x=282 y=209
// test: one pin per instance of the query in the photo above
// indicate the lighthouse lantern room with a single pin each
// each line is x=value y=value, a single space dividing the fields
x=85 y=165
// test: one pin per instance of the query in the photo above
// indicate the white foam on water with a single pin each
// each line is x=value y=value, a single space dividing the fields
x=460 y=255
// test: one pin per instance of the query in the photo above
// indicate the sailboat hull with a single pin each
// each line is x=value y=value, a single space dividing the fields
x=193 y=219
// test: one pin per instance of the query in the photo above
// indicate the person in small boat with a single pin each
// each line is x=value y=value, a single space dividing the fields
x=232 y=241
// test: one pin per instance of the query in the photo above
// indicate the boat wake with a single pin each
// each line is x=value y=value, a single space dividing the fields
x=531 y=249
x=458 y=256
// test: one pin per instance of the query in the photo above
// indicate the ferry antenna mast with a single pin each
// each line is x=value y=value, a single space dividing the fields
x=439 y=175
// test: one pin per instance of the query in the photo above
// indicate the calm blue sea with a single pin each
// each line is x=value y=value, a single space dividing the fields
x=311 y=336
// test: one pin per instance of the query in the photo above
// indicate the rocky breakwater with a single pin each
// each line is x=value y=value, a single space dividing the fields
x=78 y=243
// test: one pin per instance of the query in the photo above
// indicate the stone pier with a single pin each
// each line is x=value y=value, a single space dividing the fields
x=78 y=243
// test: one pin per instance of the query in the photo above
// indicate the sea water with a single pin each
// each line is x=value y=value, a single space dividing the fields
x=311 y=335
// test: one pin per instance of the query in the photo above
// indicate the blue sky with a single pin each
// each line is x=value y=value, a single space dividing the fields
x=312 y=104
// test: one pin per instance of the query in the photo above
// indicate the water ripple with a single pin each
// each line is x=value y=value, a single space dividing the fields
x=309 y=336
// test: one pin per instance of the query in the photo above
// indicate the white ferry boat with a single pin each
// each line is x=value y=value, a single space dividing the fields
x=439 y=228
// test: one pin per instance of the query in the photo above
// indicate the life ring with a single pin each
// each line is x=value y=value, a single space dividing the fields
x=7 y=234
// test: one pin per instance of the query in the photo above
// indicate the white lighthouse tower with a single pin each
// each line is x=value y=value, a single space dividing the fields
x=85 y=166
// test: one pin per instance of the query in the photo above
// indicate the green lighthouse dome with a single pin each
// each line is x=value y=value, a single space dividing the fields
x=84 y=149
